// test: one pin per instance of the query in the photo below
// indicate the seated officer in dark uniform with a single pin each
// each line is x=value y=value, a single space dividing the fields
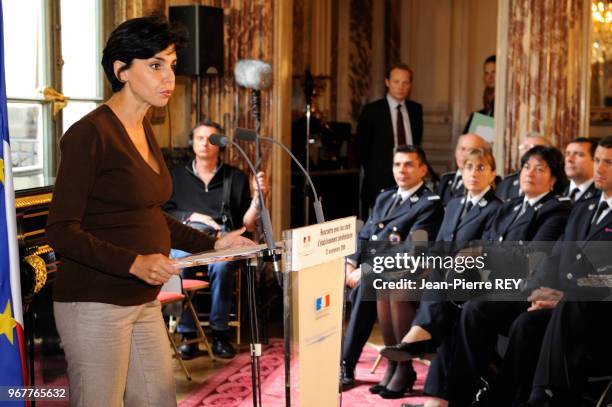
x=396 y=214
x=451 y=183
x=577 y=337
x=509 y=187
x=539 y=216
x=466 y=219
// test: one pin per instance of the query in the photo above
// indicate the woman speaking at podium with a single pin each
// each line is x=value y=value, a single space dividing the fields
x=107 y=224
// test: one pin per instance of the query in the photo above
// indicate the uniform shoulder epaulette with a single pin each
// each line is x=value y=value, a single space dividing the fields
x=433 y=198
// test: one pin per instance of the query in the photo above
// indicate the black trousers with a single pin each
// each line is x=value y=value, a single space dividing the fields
x=475 y=349
x=576 y=345
x=514 y=380
x=361 y=322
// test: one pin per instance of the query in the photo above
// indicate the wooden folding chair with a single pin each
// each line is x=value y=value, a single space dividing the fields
x=189 y=289
x=180 y=292
x=167 y=298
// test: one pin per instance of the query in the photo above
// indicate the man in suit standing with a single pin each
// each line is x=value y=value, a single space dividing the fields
x=579 y=154
x=383 y=125
x=451 y=183
x=509 y=187
x=398 y=211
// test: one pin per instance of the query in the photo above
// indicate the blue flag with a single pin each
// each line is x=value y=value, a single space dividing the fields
x=12 y=361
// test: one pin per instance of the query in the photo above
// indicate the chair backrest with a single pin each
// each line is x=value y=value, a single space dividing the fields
x=173 y=285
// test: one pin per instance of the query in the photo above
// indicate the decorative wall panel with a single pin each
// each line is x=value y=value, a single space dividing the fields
x=544 y=82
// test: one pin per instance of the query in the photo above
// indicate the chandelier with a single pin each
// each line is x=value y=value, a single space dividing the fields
x=601 y=16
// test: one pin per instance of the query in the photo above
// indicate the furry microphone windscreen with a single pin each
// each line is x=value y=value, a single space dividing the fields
x=253 y=74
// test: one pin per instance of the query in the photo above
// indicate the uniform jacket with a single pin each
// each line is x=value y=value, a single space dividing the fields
x=579 y=252
x=422 y=211
x=474 y=223
x=543 y=222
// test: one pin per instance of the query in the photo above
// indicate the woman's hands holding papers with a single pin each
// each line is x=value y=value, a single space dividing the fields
x=233 y=239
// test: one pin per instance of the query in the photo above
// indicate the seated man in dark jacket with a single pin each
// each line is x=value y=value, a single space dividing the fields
x=397 y=213
x=214 y=197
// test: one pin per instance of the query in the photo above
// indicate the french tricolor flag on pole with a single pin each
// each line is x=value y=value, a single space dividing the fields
x=12 y=350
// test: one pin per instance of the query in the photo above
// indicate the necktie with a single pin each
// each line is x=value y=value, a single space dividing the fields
x=395 y=204
x=467 y=208
x=603 y=205
x=401 y=132
x=522 y=211
x=573 y=194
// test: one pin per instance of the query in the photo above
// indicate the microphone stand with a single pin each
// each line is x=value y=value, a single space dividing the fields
x=256 y=98
x=306 y=198
x=248 y=135
x=269 y=255
x=256 y=104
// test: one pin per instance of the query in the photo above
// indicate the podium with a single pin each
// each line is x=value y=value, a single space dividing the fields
x=313 y=289
x=313 y=303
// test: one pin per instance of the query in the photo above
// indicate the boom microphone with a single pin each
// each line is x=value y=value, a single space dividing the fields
x=253 y=74
x=250 y=135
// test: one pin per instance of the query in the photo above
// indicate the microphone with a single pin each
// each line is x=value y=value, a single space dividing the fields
x=257 y=76
x=253 y=74
x=222 y=141
x=250 y=135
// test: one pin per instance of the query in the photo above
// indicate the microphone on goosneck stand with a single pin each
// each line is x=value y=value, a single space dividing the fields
x=222 y=141
x=250 y=135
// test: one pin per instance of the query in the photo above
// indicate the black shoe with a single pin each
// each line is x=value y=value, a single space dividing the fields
x=398 y=394
x=406 y=351
x=188 y=352
x=392 y=394
x=376 y=389
x=347 y=380
x=221 y=346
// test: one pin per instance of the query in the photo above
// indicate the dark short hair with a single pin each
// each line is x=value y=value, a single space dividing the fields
x=207 y=123
x=592 y=142
x=605 y=142
x=400 y=66
x=412 y=149
x=138 y=38
x=490 y=58
x=555 y=161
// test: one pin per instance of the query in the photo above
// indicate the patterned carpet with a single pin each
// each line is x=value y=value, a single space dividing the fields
x=231 y=385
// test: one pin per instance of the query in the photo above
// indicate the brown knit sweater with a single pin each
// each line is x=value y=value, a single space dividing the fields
x=106 y=210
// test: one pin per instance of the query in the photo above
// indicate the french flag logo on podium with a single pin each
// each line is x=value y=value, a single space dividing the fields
x=322 y=303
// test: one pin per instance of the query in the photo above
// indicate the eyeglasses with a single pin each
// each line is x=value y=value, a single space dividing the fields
x=477 y=168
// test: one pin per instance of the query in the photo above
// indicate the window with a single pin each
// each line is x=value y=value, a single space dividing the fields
x=38 y=57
